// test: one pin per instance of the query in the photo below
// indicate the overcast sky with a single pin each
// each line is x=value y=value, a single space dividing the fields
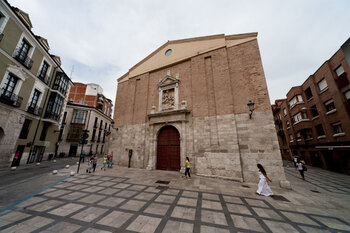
x=104 y=39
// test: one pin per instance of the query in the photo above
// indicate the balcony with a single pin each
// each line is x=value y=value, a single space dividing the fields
x=342 y=81
x=11 y=99
x=35 y=111
x=278 y=122
x=52 y=116
x=45 y=79
x=27 y=61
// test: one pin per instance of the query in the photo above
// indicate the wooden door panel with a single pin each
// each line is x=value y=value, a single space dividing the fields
x=168 y=149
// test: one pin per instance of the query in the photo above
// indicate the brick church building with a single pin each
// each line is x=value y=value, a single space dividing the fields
x=189 y=98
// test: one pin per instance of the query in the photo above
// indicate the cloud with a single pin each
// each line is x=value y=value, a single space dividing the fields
x=103 y=39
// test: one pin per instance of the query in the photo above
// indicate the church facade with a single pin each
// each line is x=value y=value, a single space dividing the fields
x=189 y=99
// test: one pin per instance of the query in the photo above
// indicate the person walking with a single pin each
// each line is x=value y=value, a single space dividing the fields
x=263 y=187
x=94 y=163
x=110 y=161
x=301 y=168
x=295 y=160
x=90 y=164
x=104 y=162
x=82 y=156
x=187 y=168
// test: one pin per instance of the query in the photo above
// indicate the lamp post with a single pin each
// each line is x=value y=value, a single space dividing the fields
x=251 y=108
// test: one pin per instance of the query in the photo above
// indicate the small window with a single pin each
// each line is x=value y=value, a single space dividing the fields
x=299 y=116
x=329 y=105
x=9 y=86
x=298 y=136
x=322 y=85
x=168 y=52
x=339 y=71
x=347 y=94
x=319 y=129
x=296 y=100
x=308 y=93
x=285 y=112
x=34 y=99
x=43 y=71
x=314 y=111
x=308 y=134
x=337 y=128
x=291 y=137
x=25 y=129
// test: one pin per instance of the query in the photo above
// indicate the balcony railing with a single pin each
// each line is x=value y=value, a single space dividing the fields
x=45 y=79
x=52 y=116
x=9 y=98
x=35 y=111
x=27 y=61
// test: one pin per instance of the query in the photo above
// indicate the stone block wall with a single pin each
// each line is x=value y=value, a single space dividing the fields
x=11 y=123
x=258 y=143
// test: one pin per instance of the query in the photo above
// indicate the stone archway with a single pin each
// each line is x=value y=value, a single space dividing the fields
x=168 y=149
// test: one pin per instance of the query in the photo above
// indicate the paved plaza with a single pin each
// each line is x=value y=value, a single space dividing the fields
x=134 y=200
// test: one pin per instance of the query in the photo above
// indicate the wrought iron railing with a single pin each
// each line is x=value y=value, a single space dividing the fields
x=35 y=110
x=27 y=61
x=52 y=116
x=10 y=98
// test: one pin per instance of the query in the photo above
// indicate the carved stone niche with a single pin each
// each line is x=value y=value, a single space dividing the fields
x=168 y=88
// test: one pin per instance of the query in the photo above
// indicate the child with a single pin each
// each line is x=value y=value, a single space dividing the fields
x=104 y=163
x=110 y=161
x=90 y=165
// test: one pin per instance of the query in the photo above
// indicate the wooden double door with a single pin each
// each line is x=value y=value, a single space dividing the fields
x=168 y=149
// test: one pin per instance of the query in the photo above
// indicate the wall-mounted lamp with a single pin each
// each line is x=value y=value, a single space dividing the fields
x=251 y=108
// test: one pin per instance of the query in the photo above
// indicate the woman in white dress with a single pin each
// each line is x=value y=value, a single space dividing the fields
x=263 y=187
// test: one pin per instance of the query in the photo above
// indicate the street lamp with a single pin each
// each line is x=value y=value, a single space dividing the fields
x=251 y=108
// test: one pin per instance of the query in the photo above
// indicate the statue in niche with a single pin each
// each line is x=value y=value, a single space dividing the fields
x=168 y=100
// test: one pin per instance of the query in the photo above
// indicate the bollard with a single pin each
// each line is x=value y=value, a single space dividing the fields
x=77 y=163
x=13 y=168
x=72 y=173
x=37 y=164
x=67 y=166
x=54 y=172
x=54 y=160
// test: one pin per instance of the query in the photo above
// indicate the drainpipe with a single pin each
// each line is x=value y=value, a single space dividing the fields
x=41 y=116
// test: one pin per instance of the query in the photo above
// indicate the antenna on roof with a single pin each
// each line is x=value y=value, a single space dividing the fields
x=71 y=73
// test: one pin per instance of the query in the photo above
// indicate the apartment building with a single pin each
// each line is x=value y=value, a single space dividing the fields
x=87 y=109
x=34 y=91
x=313 y=122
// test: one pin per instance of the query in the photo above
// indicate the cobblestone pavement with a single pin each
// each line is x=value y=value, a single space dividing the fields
x=130 y=200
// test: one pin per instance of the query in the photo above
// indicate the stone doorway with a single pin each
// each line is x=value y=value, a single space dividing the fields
x=168 y=149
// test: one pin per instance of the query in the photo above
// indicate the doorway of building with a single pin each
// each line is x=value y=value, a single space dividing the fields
x=37 y=154
x=18 y=155
x=168 y=149
x=73 y=150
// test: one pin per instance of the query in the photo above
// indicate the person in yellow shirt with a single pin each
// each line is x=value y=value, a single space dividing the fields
x=104 y=162
x=187 y=168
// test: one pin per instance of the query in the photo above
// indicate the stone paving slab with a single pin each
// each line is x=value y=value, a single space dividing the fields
x=113 y=201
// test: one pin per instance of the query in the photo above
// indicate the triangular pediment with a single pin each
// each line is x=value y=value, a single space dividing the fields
x=17 y=71
x=24 y=16
x=44 y=42
x=167 y=80
x=179 y=50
